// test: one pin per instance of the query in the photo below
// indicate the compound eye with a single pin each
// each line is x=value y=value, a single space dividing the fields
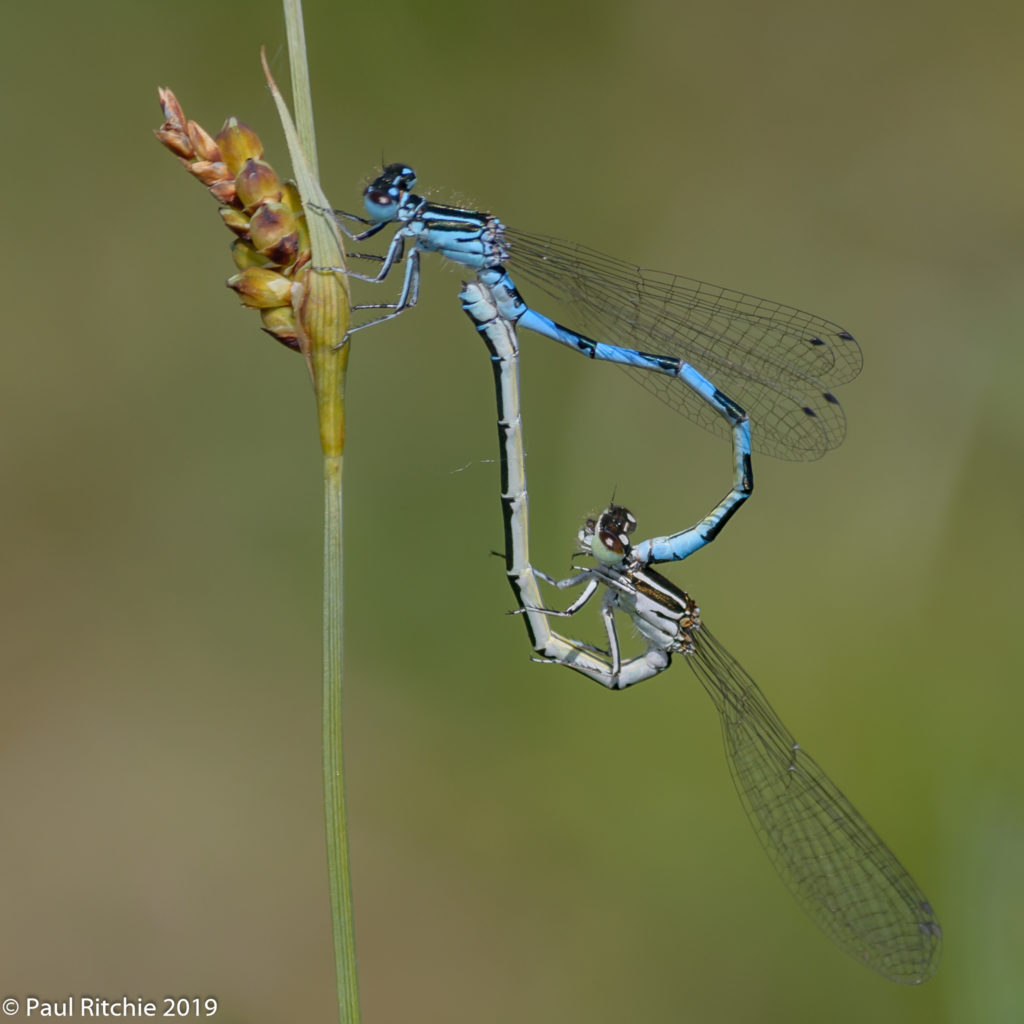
x=617 y=520
x=380 y=205
x=612 y=542
x=620 y=518
x=609 y=546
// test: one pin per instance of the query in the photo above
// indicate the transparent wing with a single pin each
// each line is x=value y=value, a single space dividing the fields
x=779 y=363
x=842 y=874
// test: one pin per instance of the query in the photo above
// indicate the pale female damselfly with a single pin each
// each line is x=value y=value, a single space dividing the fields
x=840 y=871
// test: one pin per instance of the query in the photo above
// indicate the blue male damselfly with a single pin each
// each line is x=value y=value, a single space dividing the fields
x=778 y=363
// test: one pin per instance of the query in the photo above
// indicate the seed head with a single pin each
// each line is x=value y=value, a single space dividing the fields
x=271 y=245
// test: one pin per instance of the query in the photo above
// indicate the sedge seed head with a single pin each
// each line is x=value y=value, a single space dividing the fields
x=271 y=246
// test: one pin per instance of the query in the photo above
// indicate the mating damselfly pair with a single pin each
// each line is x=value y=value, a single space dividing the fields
x=750 y=369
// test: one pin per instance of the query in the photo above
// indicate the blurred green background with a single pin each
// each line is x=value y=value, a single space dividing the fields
x=525 y=845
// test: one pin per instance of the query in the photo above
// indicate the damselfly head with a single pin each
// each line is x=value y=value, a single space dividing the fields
x=384 y=196
x=609 y=536
x=618 y=519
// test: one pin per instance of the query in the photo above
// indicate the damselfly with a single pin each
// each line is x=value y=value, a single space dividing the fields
x=843 y=875
x=778 y=363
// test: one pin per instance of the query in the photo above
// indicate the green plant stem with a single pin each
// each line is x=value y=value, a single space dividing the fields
x=323 y=310
x=334 y=788
x=302 y=96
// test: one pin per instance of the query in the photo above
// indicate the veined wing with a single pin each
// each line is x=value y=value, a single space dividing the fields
x=842 y=874
x=781 y=364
